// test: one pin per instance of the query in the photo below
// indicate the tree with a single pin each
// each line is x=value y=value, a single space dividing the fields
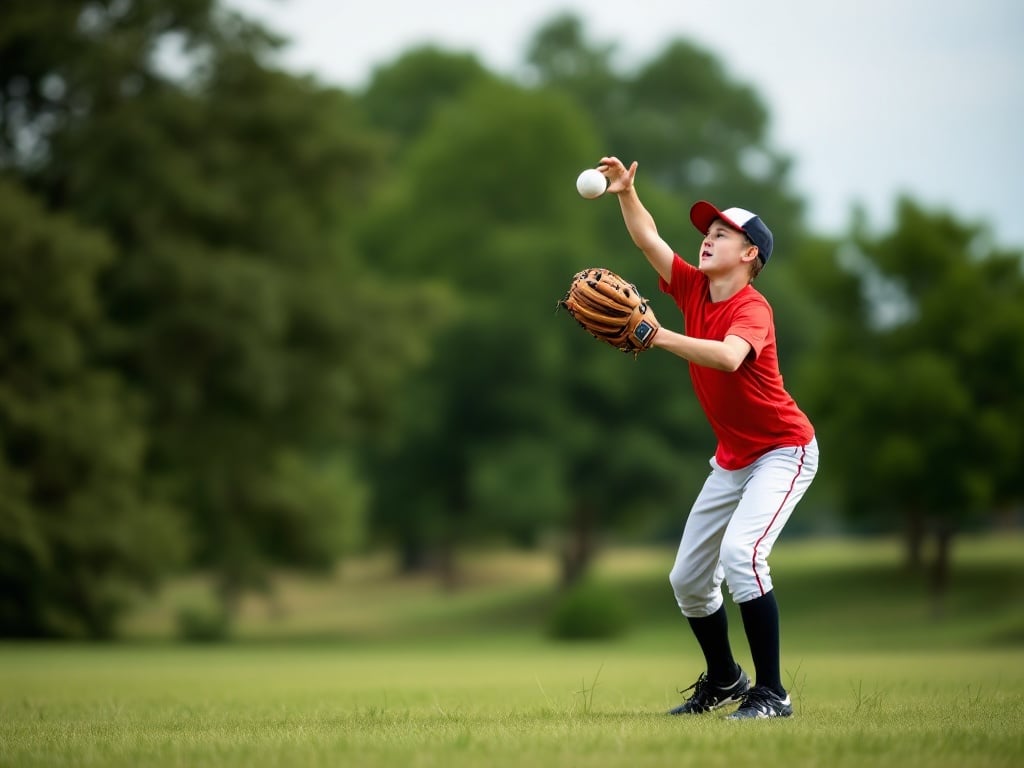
x=404 y=95
x=61 y=63
x=267 y=347
x=461 y=210
x=694 y=130
x=81 y=531
x=241 y=314
x=482 y=198
x=924 y=378
x=696 y=133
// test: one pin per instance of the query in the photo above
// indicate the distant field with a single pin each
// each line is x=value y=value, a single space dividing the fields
x=833 y=593
x=367 y=670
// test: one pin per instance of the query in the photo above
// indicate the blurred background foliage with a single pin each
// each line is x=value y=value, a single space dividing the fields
x=253 y=322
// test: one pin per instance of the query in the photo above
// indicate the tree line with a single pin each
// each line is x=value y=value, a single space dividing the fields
x=253 y=320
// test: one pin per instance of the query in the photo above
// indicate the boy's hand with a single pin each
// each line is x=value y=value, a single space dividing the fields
x=620 y=179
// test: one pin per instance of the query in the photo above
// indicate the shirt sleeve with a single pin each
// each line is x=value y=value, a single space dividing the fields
x=681 y=274
x=753 y=324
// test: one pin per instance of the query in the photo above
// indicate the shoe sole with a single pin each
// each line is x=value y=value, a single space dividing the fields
x=758 y=716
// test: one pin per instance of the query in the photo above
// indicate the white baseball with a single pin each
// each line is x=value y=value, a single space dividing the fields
x=591 y=183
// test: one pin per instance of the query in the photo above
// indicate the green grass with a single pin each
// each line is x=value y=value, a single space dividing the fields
x=367 y=670
x=491 y=704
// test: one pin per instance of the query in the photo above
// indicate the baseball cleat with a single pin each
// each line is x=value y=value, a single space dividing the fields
x=708 y=696
x=760 y=702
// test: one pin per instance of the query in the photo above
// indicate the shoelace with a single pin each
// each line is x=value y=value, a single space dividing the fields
x=699 y=688
x=759 y=697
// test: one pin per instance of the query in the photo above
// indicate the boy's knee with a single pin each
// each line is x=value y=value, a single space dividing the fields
x=747 y=578
x=694 y=597
x=737 y=560
x=681 y=580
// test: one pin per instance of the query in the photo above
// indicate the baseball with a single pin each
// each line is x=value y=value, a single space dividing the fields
x=591 y=183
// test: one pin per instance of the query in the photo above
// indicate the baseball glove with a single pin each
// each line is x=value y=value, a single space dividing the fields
x=611 y=310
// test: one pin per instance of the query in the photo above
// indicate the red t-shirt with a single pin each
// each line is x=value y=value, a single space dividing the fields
x=749 y=409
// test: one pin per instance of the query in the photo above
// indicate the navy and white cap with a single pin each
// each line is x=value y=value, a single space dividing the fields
x=703 y=215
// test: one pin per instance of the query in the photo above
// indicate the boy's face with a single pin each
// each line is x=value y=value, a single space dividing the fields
x=724 y=250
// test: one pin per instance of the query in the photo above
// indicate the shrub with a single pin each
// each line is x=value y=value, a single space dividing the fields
x=589 y=611
x=203 y=623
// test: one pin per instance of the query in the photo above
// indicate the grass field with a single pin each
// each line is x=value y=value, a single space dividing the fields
x=876 y=679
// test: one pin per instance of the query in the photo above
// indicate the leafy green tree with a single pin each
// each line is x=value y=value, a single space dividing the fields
x=253 y=323
x=923 y=381
x=64 y=61
x=695 y=130
x=463 y=211
x=404 y=95
x=502 y=435
x=481 y=197
x=560 y=57
x=696 y=133
x=80 y=531
x=242 y=315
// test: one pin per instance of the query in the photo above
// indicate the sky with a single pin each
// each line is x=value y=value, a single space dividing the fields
x=871 y=98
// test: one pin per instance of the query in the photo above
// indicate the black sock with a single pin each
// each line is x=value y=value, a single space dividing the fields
x=761 y=623
x=712 y=633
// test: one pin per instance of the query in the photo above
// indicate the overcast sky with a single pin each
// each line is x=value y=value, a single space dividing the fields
x=871 y=98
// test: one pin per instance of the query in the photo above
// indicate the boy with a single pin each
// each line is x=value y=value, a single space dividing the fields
x=766 y=455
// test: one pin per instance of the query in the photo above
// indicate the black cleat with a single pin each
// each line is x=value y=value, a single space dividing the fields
x=708 y=696
x=760 y=702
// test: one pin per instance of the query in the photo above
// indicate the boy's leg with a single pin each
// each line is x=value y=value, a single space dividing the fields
x=761 y=625
x=712 y=633
x=776 y=483
x=697 y=574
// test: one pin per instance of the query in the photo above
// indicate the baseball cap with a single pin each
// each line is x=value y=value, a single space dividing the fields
x=703 y=215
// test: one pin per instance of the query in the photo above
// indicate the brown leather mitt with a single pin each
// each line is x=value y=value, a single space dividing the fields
x=611 y=310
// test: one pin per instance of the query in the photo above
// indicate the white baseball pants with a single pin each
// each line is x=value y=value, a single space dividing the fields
x=733 y=525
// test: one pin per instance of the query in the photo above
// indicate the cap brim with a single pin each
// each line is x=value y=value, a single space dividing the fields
x=703 y=215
